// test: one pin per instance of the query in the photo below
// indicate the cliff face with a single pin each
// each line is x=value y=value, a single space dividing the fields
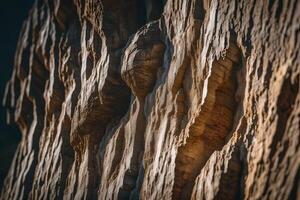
x=195 y=99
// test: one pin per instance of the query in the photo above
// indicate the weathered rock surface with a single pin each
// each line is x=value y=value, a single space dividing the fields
x=152 y=99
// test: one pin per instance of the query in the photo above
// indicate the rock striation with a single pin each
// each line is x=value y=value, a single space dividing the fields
x=154 y=99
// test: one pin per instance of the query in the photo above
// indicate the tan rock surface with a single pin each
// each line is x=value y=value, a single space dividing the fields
x=154 y=99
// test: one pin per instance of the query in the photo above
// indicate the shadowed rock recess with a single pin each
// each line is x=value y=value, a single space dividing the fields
x=157 y=99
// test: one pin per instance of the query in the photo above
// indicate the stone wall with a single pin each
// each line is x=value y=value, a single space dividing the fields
x=194 y=99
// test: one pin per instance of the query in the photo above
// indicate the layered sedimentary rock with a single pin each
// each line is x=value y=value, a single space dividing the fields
x=152 y=99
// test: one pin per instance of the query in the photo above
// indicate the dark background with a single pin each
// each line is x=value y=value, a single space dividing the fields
x=12 y=15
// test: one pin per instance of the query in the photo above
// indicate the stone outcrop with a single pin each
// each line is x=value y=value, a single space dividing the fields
x=154 y=99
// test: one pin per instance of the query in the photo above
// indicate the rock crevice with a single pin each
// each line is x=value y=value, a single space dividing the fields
x=155 y=99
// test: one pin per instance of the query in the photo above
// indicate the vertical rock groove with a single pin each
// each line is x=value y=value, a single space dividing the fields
x=140 y=64
x=156 y=99
x=214 y=123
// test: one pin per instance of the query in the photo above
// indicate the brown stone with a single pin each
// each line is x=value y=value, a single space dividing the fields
x=157 y=100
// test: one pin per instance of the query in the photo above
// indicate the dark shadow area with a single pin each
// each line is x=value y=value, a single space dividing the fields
x=149 y=10
x=12 y=15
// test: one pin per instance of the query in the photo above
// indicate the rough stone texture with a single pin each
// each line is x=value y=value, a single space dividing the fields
x=194 y=99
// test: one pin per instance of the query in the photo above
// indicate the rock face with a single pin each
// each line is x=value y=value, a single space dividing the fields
x=194 y=99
